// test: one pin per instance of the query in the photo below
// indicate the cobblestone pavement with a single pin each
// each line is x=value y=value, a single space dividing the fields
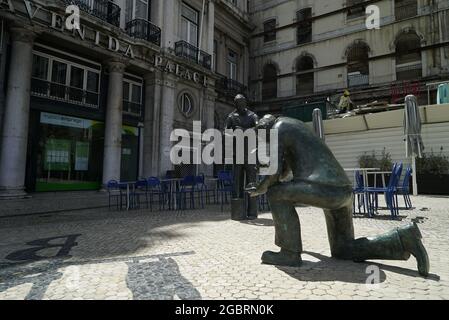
x=204 y=255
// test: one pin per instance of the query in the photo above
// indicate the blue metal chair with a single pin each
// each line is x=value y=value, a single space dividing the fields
x=187 y=189
x=359 y=194
x=390 y=193
x=225 y=187
x=115 y=192
x=203 y=190
x=140 y=190
x=404 y=190
x=156 y=189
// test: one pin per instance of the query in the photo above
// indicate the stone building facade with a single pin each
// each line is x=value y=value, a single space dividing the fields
x=82 y=106
x=304 y=51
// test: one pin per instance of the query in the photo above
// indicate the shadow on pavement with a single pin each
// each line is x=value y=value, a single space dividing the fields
x=261 y=222
x=330 y=269
x=159 y=279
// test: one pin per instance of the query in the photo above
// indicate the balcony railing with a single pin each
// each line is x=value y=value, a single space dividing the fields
x=194 y=54
x=407 y=9
x=103 y=9
x=409 y=72
x=230 y=88
x=61 y=92
x=356 y=80
x=144 y=30
x=132 y=108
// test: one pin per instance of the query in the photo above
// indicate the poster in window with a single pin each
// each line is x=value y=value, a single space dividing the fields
x=57 y=155
x=82 y=156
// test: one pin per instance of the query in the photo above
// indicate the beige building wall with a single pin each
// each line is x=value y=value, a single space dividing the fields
x=334 y=33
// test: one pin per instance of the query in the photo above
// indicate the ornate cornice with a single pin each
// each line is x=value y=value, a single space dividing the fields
x=116 y=65
x=22 y=34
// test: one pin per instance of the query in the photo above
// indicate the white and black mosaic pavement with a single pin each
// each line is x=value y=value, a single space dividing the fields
x=202 y=254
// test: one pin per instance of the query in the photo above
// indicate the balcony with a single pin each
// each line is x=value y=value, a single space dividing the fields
x=193 y=54
x=102 y=9
x=60 y=92
x=357 y=80
x=229 y=88
x=405 y=9
x=144 y=30
x=411 y=71
x=132 y=108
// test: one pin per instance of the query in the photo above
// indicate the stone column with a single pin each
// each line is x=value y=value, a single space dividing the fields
x=167 y=112
x=16 y=117
x=211 y=26
x=157 y=13
x=209 y=118
x=170 y=22
x=151 y=145
x=245 y=61
x=113 y=123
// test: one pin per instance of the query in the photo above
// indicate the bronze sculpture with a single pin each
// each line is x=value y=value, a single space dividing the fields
x=242 y=118
x=320 y=181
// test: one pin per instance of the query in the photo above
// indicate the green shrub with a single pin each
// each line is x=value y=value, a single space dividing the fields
x=431 y=163
x=371 y=161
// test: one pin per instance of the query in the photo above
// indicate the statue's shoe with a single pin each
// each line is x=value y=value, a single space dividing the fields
x=411 y=236
x=283 y=258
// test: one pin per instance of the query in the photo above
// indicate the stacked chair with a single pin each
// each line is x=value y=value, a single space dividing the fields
x=368 y=197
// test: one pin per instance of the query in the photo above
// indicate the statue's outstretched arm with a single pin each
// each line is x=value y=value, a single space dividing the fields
x=268 y=181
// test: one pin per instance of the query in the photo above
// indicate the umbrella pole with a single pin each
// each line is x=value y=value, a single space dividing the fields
x=415 y=182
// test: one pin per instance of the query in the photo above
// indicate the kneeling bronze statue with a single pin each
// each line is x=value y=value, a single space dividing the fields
x=320 y=181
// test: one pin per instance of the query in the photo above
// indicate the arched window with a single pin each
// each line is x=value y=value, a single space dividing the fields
x=408 y=57
x=404 y=9
x=305 y=77
x=358 y=65
x=186 y=105
x=270 y=82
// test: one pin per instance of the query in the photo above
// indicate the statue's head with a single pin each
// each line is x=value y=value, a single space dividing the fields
x=267 y=122
x=240 y=102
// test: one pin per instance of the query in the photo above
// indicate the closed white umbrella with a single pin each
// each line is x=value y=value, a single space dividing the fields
x=318 y=126
x=412 y=131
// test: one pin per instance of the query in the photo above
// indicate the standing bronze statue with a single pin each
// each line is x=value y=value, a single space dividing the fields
x=242 y=118
x=320 y=181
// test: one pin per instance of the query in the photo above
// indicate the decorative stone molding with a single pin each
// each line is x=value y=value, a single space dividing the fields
x=302 y=55
x=354 y=44
x=22 y=34
x=116 y=65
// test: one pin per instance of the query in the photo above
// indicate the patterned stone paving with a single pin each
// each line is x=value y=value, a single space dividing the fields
x=203 y=254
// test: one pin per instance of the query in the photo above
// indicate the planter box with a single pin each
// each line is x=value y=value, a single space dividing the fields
x=433 y=184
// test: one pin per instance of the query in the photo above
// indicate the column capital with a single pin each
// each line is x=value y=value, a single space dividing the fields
x=22 y=34
x=116 y=65
x=154 y=77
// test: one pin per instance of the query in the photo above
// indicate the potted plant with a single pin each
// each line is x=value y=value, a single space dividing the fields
x=384 y=163
x=433 y=173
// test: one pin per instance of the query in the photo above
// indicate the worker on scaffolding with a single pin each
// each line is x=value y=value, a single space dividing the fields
x=346 y=103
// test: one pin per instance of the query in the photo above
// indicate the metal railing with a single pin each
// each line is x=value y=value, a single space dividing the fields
x=132 y=108
x=62 y=92
x=356 y=80
x=409 y=72
x=103 y=9
x=144 y=30
x=230 y=88
x=192 y=53
x=408 y=9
